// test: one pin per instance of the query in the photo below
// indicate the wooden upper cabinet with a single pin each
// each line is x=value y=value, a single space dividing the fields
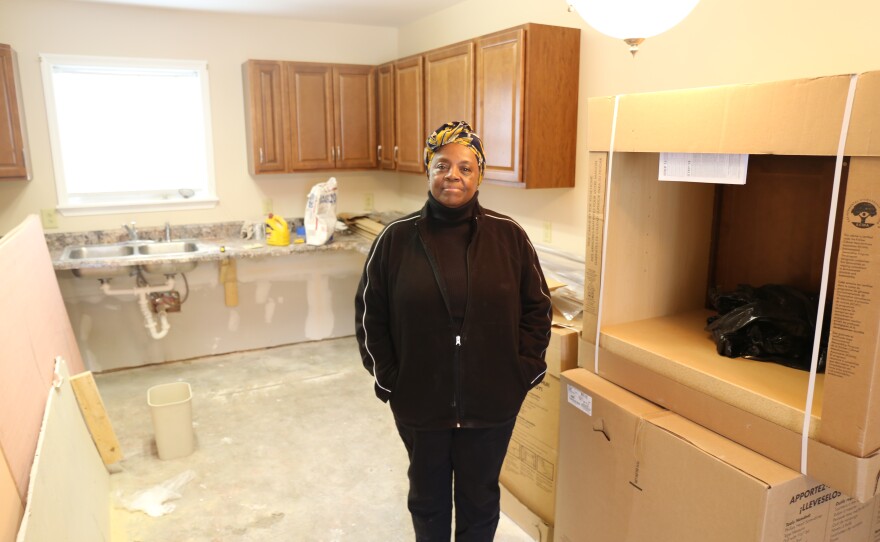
x=354 y=92
x=409 y=130
x=310 y=99
x=307 y=116
x=13 y=154
x=526 y=105
x=267 y=116
x=449 y=86
x=386 y=115
x=500 y=81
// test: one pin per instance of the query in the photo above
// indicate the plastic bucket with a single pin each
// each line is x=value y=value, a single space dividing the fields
x=171 y=408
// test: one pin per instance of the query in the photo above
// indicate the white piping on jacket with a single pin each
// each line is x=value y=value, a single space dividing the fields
x=537 y=272
x=364 y=298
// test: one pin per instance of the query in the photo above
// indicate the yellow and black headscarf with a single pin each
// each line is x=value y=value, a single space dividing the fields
x=459 y=132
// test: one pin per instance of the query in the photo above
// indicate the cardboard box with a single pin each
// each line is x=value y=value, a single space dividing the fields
x=529 y=470
x=527 y=520
x=562 y=353
x=666 y=242
x=631 y=472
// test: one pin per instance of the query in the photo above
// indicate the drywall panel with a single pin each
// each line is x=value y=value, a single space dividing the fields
x=11 y=507
x=281 y=300
x=69 y=493
x=33 y=330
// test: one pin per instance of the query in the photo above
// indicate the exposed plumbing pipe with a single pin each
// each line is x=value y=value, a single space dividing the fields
x=142 y=292
x=169 y=285
x=150 y=321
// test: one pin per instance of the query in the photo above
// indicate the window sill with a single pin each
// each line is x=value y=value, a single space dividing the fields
x=86 y=209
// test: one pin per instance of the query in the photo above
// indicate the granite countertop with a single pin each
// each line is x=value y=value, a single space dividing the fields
x=217 y=242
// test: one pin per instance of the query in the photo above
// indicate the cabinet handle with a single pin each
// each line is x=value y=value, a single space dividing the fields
x=379 y=153
x=262 y=161
x=395 y=154
x=333 y=154
x=338 y=153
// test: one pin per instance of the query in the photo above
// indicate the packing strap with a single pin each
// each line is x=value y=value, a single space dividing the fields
x=605 y=233
x=826 y=265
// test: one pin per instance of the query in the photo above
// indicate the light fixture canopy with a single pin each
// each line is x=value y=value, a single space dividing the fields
x=633 y=20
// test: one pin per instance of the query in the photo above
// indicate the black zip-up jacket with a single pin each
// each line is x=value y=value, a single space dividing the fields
x=436 y=374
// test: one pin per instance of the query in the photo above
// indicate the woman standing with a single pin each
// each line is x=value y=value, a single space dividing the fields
x=453 y=319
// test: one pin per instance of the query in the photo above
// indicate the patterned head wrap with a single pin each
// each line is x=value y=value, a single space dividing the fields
x=459 y=132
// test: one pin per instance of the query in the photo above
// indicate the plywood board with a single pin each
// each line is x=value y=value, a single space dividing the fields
x=69 y=490
x=772 y=230
x=658 y=245
x=11 y=507
x=95 y=416
x=31 y=336
x=678 y=347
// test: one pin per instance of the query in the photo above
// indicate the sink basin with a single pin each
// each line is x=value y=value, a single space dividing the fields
x=160 y=258
x=169 y=247
x=100 y=251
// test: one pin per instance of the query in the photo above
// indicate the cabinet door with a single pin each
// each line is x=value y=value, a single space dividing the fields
x=408 y=114
x=499 y=103
x=386 y=116
x=449 y=86
x=12 y=153
x=267 y=115
x=310 y=99
x=354 y=92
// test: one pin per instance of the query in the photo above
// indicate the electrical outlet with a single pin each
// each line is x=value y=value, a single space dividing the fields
x=49 y=217
x=368 y=201
x=267 y=206
x=548 y=232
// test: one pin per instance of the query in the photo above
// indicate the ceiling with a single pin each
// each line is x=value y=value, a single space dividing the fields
x=370 y=12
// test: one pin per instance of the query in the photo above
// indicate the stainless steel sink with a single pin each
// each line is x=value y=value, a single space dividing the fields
x=99 y=251
x=169 y=247
x=161 y=258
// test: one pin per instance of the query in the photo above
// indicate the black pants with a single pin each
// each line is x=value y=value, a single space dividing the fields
x=470 y=457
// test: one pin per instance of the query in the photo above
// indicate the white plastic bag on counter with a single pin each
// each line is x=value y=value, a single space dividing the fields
x=320 y=218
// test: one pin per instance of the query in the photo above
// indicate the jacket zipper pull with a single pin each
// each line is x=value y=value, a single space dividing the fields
x=458 y=340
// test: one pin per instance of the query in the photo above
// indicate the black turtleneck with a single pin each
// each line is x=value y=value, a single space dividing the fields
x=449 y=234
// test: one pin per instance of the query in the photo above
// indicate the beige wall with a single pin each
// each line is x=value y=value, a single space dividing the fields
x=721 y=42
x=225 y=41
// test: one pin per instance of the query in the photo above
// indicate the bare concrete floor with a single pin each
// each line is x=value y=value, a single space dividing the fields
x=291 y=445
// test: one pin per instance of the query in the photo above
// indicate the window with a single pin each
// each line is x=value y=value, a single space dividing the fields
x=129 y=134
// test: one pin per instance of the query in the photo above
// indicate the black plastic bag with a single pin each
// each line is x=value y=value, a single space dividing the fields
x=773 y=322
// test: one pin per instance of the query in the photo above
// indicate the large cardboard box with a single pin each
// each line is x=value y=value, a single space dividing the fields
x=652 y=257
x=529 y=472
x=631 y=472
x=528 y=521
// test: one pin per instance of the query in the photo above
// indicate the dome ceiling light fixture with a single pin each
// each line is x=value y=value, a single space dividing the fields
x=632 y=21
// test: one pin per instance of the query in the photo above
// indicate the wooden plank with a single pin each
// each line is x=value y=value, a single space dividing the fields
x=11 y=506
x=69 y=490
x=31 y=336
x=95 y=416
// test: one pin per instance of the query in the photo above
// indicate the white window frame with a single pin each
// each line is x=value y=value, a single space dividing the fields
x=109 y=203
